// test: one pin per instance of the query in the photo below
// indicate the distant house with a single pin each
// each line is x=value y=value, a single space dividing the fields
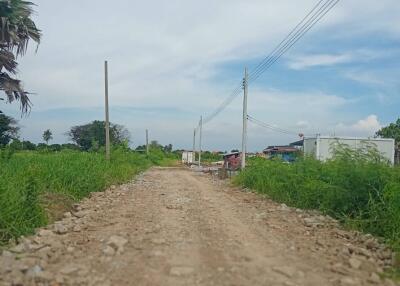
x=232 y=160
x=286 y=153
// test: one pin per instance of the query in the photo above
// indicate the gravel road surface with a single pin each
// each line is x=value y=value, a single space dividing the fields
x=173 y=226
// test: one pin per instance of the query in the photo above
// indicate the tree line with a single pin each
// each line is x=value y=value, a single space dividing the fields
x=86 y=137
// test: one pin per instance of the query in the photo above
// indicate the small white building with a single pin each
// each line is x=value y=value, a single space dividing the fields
x=188 y=157
x=322 y=147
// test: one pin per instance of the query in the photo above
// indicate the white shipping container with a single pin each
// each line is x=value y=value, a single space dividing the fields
x=187 y=157
x=322 y=147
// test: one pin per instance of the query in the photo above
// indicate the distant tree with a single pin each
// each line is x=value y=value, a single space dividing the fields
x=8 y=129
x=141 y=148
x=92 y=135
x=392 y=131
x=69 y=146
x=42 y=146
x=28 y=145
x=168 y=148
x=155 y=145
x=55 y=147
x=16 y=145
x=47 y=136
x=16 y=30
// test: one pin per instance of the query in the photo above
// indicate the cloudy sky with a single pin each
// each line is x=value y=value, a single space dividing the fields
x=172 y=61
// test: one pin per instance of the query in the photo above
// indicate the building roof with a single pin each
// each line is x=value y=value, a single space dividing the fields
x=297 y=143
x=350 y=138
x=280 y=149
x=231 y=154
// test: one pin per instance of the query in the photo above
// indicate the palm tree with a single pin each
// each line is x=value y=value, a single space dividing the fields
x=47 y=136
x=16 y=30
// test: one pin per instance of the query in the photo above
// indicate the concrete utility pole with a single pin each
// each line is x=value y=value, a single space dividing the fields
x=244 y=133
x=147 y=142
x=194 y=146
x=201 y=131
x=107 y=112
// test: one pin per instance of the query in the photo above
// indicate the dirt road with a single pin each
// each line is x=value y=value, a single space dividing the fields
x=177 y=227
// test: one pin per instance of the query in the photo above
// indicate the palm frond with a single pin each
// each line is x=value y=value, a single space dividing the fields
x=7 y=61
x=14 y=91
x=16 y=30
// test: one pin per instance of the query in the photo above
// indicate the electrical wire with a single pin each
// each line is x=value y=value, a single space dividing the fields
x=223 y=105
x=309 y=21
x=271 y=127
x=286 y=38
x=322 y=11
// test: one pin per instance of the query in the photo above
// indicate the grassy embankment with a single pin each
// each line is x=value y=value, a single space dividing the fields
x=35 y=188
x=358 y=188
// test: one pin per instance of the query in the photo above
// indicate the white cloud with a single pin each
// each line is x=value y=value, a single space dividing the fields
x=365 y=127
x=153 y=52
x=371 y=123
x=382 y=77
x=308 y=61
x=365 y=77
x=304 y=61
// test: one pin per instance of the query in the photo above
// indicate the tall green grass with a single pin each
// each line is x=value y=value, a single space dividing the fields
x=32 y=183
x=357 y=187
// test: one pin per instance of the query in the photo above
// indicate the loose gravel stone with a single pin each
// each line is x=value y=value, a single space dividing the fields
x=60 y=228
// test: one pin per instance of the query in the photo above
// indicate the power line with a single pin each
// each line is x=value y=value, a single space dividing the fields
x=224 y=104
x=271 y=127
x=287 y=37
x=291 y=39
x=322 y=11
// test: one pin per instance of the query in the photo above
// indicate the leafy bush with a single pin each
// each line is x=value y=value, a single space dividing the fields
x=357 y=187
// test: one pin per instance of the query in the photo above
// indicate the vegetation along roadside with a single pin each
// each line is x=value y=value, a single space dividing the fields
x=357 y=187
x=38 y=183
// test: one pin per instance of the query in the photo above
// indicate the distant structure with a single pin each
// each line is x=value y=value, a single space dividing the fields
x=232 y=161
x=188 y=157
x=287 y=153
x=322 y=147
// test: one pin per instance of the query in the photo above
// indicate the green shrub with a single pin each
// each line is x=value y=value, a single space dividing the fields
x=357 y=187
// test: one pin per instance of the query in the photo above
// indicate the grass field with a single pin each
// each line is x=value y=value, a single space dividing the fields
x=36 y=188
x=358 y=188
